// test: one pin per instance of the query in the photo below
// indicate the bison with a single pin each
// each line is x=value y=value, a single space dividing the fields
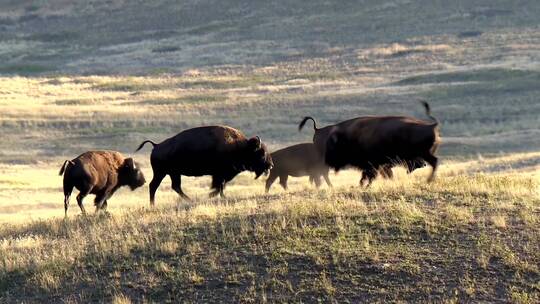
x=219 y=151
x=298 y=160
x=100 y=173
x=372 y=143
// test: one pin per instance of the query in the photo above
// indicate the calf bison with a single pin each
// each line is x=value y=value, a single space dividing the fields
x=371 y=143
x=219 y=151
x=100 y=173
x=298 y=160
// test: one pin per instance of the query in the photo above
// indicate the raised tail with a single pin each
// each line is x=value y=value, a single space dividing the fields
x=428 y=111
x=303 y=122
x=144 y=142
x=65 y=166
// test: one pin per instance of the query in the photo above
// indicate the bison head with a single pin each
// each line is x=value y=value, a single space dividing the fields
x=258 y=158
x=336 y=155
x=130 y=174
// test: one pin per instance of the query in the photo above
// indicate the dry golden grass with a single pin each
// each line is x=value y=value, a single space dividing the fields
x=303 y=244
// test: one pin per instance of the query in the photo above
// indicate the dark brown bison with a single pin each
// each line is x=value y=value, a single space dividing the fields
x=298 y=160
x=372 y=143
x=100 y=173
x=219 y=151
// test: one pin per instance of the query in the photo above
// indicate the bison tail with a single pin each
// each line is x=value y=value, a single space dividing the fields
x=144 y=142
x=303 y=122
x=65 y=166
x=428 y=111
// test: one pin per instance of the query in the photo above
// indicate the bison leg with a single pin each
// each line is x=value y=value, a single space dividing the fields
x=218 y=184
x=414 y=164
x=364 y=178
x=369 y=175
x=317 y=181
x=327 y=179
x=386 y=172
x=80 y=198
x=433 y=162
x=271 y=179
x=154 y=184
x=176 y=181
x=283 y=181
x=66 y=204
x=100 y=200
x=68 y=188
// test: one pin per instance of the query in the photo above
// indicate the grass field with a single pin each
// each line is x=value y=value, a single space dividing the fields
x=467 y=237
x=108 y=74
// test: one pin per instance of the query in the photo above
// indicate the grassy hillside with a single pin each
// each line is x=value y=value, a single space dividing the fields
x=464 y=238
x=118 y=36
x=108 y=74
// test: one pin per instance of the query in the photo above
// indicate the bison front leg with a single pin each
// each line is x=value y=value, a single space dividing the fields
x=271 y=179
x=369 y=175
x=316 y=180
x=327 y=179
x=100 y=200
x=283 y=181
x=104 y=205
x=218 y=184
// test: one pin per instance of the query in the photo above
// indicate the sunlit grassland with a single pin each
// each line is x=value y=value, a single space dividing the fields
x=469 y=236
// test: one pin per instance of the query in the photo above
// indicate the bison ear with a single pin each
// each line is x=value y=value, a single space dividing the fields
x=129 y=163
x=255 y=143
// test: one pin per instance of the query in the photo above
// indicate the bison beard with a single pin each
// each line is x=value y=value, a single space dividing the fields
x=100 y=173
x=219 y=151
x=374 y=143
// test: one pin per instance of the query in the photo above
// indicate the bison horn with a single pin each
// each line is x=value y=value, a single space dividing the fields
x=255 y=142
x=130 y=163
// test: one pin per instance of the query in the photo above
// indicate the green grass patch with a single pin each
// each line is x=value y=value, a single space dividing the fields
x=132 y=84
x=484 y=75
x=25 y=69
x=189 y=99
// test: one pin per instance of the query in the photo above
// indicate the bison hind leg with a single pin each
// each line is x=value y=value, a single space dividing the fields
x=154 y=184
x=68 y=188
x=80 y=198
x=176 y=185
x=433 y=161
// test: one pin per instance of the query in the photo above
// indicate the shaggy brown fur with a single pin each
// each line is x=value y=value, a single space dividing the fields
x=100 y=173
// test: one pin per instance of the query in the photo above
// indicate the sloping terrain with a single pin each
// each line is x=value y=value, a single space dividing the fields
x=465 y=238
x=118 y=36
